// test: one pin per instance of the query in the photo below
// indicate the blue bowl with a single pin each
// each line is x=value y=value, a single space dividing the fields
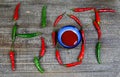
x=69 y=28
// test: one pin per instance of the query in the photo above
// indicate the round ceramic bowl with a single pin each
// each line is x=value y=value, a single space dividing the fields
x=69 y=36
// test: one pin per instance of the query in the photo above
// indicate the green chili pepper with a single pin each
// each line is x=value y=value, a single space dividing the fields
x=43 y=16
x=29 y=35
x=98 y=47
x=37 y=64
x=14 y=32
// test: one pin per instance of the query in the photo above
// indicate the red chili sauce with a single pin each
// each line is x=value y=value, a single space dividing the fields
x=69 y=38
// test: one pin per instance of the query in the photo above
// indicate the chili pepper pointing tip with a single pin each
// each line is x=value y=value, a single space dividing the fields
x=82 y=52
x=82 y=9
x=98 y=47
x=16 y=12
x=12 y=58
x=96 y=25
x=44 y=16
x=29 y=35
x=37 y=64
x=14 y=32
x=43 y=48
x=75 y=18
x=58 y=19
x=58 y=57
x=106 y=10
x=73 y=64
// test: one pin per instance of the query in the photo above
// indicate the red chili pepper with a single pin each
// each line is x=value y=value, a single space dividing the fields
x=73 y=64
x=16 y=12
x=58 y=57
x=75 y=18
x=54 y=38
x=43 y=49
x=58 y=19
x=83 y=36
x=82 y=52
x=106 y=10
x=82 y=9
x=12 y=58
x=96 y=25
x=97 y=16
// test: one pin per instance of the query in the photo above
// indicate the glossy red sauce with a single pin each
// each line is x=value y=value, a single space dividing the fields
x=69 y=38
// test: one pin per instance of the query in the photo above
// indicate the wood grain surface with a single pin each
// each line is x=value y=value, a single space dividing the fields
x=26 y=49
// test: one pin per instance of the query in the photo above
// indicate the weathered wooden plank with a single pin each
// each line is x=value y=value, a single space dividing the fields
x=30 y=14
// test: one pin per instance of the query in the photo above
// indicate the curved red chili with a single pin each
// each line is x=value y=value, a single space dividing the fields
x=82 y=9
x=106 y=10
x=58 y=57
x=96 y=25
x=58 y=19
x=73 y=64
x=54 y=40
x=82 y=51
x=12 y=58
x=43 y=48
x=83 y=36
x=75 y=18
x=16 y=12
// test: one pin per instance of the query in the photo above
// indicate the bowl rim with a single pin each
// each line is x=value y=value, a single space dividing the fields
x=66 y=28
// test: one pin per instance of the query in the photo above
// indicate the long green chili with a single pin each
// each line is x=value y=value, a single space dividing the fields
x=44 y=16
x=37 y=64
x=29 y=35
x=14 y=32
x=98 y=48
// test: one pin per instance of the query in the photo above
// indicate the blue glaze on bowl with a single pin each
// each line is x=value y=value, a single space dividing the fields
x=69 y=28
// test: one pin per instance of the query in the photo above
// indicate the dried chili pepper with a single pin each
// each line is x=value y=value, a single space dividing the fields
x=12 y=58
x=16 y=12
x=73 y=64
x=96 y=25
x=29 y=35
x=58 y=19
x=37 y=64
x=54 y=40
x=106 y=10
x=14 y=32
x=58 y=57
x=97 y=16
x=82 y=9
x=44 y=16
x=43 y=48
x=75 y=18
x=98 y=47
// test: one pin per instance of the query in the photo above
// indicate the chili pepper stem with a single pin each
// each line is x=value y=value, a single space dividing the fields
x=63 y=13
x=12 y=46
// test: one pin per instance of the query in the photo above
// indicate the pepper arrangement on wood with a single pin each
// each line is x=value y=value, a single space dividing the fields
x=80 y=57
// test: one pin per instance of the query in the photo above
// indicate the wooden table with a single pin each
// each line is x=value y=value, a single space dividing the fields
x=26 y=49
